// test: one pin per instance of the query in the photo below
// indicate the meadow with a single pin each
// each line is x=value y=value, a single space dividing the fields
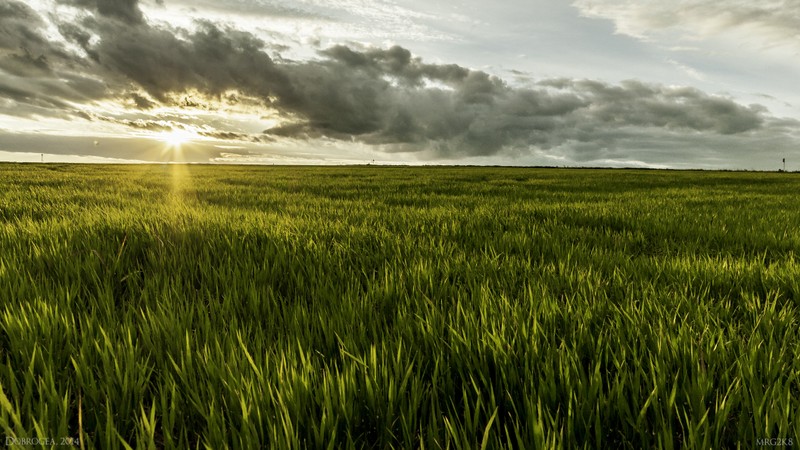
x=192 y=306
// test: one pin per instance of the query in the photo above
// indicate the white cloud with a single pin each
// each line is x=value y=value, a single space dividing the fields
x=305 y=21
x=688 y=70
x=765 y=23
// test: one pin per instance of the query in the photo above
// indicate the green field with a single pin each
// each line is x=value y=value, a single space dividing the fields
x=183 y=306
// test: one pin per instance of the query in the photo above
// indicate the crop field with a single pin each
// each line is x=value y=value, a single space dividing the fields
x=189 y=306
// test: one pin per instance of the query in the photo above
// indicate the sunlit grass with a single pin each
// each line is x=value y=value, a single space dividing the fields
x=173 y=306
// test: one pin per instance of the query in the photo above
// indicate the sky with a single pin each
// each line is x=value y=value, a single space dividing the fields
x=707 y=84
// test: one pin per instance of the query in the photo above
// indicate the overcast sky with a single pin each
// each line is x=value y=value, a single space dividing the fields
x=681 y=84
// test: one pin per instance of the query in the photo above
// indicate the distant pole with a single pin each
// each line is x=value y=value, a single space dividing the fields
x=42 y=157
x=784 y=164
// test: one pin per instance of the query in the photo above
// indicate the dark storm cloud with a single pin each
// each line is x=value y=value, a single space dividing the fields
x=19 y=25
x=389 y=97
x=633 y=103
x=23 y=49
x=141 y=101
x=383 y=97
x=39 y=77
x=210 y=60
x=398 y=62
x=124 y=51
x=24 y=96
x=48 y=96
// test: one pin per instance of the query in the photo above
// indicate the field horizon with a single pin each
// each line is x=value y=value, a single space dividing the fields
x=174 y=305
x=402 y=165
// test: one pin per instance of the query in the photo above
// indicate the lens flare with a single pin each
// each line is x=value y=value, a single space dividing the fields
x=177 y=137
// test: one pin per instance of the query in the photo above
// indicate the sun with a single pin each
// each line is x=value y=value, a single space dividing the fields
x=177 y=137
x=176 y=142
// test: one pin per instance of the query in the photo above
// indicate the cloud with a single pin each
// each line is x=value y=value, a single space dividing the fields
x=633 y=103
x=19 y=27
x=210 y=60
x=236 y=136
x=389 y=98
x=123 y=10
x=24 y=50
x=267 y=8
x=141 y=124
x=141 y=101
x=770 y=22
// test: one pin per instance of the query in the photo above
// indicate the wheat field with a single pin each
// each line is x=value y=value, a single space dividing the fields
x=194 y=306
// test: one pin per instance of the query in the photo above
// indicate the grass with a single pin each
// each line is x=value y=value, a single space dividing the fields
x=366 y=307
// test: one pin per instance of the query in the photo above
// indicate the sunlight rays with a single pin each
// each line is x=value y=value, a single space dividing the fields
x=177 y=137
x=174 y=142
